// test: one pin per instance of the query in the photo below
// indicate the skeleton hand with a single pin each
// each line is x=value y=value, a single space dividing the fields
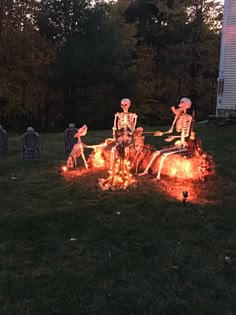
x=170 y=130
x=170 y=138
x=158 y=134
x=176 y=111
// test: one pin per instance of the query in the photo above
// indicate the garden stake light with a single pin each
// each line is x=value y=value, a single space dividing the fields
x=185 y=196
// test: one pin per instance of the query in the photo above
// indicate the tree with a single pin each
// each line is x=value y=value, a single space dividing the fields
x=94 y=55
x=23 y=57
x=184 y=36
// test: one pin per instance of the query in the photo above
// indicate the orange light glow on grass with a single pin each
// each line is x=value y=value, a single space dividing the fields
x=176 y=187
x=64 y=168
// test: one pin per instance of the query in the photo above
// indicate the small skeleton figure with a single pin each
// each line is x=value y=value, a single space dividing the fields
x=182 y=122
x=78 y=149
x=123 y=129
x=138 y=146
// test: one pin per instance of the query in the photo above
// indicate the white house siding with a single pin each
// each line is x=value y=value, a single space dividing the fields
x=226 y=98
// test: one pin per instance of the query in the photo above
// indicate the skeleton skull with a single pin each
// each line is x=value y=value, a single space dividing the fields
x=139 y=131
x=125 y=104
x=185 y=103
x=81 y=132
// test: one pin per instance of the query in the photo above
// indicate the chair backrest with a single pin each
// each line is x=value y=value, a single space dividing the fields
x=69 y=134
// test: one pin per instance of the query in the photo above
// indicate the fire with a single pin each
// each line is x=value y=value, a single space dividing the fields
x=97 y=159
x=100 y=156
x=119 y=177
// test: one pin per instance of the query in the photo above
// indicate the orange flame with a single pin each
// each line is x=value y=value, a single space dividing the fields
x=98 y=160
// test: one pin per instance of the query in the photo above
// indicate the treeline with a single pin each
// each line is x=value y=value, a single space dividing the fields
x=67 y=61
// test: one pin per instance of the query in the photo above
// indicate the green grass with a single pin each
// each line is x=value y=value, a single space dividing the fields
x=157 y=257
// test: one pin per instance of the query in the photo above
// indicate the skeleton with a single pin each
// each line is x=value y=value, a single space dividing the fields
x=138 y=146
x=182 y=123
x=78 y=149
x=123 y=129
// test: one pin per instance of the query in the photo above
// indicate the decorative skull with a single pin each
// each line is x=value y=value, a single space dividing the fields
x=81 y=132
x=125 y=104
x=185 y=103
x=139 y=131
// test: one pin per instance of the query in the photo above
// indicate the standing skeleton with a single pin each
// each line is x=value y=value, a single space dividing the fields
x=123 y=129
x=182 y=123
x=78 y=149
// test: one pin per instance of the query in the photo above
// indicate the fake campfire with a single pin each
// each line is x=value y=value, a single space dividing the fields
x=125 y=156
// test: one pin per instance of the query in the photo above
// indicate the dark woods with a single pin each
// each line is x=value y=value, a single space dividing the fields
x=67 y=61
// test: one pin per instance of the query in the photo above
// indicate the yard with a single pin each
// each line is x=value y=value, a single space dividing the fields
x=68 y=248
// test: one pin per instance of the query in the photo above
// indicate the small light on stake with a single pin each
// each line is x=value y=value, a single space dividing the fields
x=185 y=196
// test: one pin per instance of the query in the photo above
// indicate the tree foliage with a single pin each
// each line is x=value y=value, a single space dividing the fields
x=64 y=60
x=24 y=56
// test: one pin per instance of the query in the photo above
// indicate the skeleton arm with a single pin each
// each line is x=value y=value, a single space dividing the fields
x=96 y=146
x=135 y=121
x=170 y=138
x=114 y=126
x=173 y=125
x=160 y=133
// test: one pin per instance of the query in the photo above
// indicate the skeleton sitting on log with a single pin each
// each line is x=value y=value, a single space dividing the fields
x=182 y=123
x=123 y=133
x=123 y=129
x=138 y=145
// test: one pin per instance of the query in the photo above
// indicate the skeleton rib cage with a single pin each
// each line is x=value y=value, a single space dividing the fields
x=183 y=125
x=126 y=120
x=76 y=151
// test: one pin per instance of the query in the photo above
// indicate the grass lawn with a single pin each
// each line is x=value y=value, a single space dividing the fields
x=68 y=248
